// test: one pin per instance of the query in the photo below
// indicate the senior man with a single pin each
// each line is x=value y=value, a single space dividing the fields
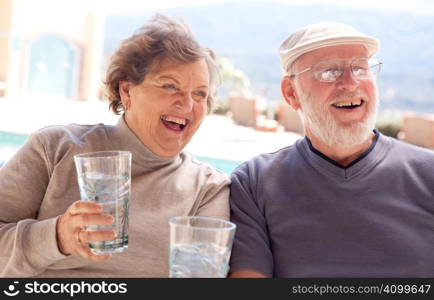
x=344 y=201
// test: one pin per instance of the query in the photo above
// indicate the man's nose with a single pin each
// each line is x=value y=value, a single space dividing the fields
x=348 y=81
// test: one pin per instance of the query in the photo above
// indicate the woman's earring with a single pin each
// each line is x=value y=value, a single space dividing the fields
x=127 y=105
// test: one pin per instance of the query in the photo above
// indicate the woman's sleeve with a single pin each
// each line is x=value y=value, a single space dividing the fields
x=28 y=245
x=215 y=199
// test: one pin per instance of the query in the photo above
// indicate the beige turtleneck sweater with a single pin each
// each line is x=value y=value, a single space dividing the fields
x=39 y=183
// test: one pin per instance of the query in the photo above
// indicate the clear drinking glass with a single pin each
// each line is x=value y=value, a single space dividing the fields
x=105 y=178
x=200 y=247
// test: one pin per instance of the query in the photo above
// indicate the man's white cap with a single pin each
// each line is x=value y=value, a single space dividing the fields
x=320 y=35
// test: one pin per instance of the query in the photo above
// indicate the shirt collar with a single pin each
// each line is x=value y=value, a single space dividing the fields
x=324 y=164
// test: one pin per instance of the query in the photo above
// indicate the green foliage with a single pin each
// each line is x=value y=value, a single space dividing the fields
x=221 y=106
x=389 y=123
x=232 y=76
x=232 y=79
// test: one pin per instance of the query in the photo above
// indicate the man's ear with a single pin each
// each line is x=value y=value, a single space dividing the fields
x=124 y=92
x=288 y=92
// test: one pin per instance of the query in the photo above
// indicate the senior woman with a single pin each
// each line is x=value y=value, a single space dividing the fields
x=163 y=83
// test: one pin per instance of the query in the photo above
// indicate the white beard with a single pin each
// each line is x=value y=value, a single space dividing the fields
x=319 y=120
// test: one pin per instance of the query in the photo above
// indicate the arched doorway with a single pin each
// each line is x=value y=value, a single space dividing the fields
x=52 y=67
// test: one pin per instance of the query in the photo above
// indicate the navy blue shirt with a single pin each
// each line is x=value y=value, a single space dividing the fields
x=299 y=214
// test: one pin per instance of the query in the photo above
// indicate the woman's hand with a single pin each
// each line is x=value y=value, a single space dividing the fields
x=71 y=235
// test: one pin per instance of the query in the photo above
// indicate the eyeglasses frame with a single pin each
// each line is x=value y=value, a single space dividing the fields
x=311 y=67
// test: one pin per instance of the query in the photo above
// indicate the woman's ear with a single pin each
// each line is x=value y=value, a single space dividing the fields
x=124 y=92
x=288 y=92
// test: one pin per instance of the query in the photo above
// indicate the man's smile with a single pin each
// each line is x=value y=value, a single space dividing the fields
x=346 y=104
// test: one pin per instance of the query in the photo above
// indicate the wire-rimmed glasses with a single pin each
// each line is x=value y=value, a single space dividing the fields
x=330 y=70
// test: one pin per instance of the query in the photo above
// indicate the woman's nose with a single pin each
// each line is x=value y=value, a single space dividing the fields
x=185 y=101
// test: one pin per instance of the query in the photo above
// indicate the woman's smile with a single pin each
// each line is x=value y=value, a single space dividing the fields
x=174 y=123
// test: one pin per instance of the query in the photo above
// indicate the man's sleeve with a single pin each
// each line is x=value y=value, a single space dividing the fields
x=251 y=249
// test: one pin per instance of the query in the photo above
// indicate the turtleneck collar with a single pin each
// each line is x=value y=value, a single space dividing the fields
x=125 y=138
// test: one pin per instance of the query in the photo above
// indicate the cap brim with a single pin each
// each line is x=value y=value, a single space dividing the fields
x=290 y=56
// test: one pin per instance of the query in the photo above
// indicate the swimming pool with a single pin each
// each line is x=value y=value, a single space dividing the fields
x=12 y=139
x=225 y=165
x=10 y=142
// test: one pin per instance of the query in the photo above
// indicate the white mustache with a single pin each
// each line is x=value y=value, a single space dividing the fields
x=343 y=95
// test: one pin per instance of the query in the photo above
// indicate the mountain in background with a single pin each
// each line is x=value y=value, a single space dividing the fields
x=250 y=34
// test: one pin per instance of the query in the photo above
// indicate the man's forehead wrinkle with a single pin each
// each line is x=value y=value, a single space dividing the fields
x=311 y=58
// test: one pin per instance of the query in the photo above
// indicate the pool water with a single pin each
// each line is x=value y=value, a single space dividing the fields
x=10 y=142
x=12 y=139
x=224 y=165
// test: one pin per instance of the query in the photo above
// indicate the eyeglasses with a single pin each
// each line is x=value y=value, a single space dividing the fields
x=329 y=71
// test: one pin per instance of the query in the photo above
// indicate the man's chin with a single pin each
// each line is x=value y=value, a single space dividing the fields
x=338 y=133
x=350 y=138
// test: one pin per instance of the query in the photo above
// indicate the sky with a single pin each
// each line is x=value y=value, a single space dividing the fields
x=415 y=6
x=112 y=6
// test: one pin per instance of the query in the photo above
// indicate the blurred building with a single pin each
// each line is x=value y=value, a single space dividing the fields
x=418 y=129
x=47 y=50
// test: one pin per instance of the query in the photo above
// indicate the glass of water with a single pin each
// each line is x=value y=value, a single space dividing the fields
x=200 y=247
x=104 y=177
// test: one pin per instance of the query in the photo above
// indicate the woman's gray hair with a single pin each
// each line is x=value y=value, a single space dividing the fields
x=160 y=39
